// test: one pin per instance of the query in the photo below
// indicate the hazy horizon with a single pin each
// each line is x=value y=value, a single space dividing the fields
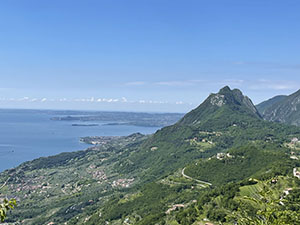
x=166 y=107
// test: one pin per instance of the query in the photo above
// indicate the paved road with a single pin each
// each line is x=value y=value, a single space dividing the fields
x=188 y=177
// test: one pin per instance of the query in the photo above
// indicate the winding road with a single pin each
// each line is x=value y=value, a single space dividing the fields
x=199 y=181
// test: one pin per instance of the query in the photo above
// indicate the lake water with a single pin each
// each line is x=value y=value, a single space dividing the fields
x=26 y=135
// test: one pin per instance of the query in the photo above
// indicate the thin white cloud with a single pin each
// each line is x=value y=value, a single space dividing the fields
x=264 y=84
x=260 y=84
x=93 y=100
x=186 y=83
x=135 y=83
x=23 y=99
x=176 y=83
x=271 y=65
x=233 y=82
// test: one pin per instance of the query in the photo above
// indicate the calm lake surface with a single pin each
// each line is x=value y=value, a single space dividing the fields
x=26 y=135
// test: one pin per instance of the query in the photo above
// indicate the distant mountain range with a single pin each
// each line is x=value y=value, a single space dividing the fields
x=222 y=163
x=282 y=108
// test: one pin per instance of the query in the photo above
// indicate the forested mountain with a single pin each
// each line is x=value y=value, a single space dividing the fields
x=220 y=163
x=263 y=106
x=284 y=109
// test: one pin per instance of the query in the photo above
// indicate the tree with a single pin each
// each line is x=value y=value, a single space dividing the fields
x=6 y=205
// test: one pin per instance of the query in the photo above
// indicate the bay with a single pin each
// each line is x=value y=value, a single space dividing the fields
x=30 y=134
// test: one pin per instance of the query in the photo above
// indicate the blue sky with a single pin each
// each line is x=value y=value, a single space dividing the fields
x=145 y=55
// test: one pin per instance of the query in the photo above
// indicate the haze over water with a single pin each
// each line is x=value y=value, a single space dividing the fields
x=27 y=134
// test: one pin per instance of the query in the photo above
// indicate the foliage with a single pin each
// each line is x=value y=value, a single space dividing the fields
x=271 y=212
x=150 y=205
x=228 y=205
x=241 y=163
x=5 y=207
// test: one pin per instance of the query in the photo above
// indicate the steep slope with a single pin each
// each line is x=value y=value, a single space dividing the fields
x=263 y=106
x=287 y=110
x=223 y=120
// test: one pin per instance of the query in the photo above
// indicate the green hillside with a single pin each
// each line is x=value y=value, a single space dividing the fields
x=183 y=174
x=268 y=201
x=217 y=128
x=240 y=163
x=263 y=106
x=283 y=109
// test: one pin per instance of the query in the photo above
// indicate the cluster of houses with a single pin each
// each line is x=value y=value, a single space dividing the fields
x=97 y=174
x=195 y=140
x=32 y=184
x=98 y=140
x=213 y=133
x=124 y=183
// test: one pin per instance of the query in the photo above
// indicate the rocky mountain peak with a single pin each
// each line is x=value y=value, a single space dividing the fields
x=223 y=103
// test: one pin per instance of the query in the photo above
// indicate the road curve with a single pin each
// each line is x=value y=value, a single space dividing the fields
x=188 y=177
